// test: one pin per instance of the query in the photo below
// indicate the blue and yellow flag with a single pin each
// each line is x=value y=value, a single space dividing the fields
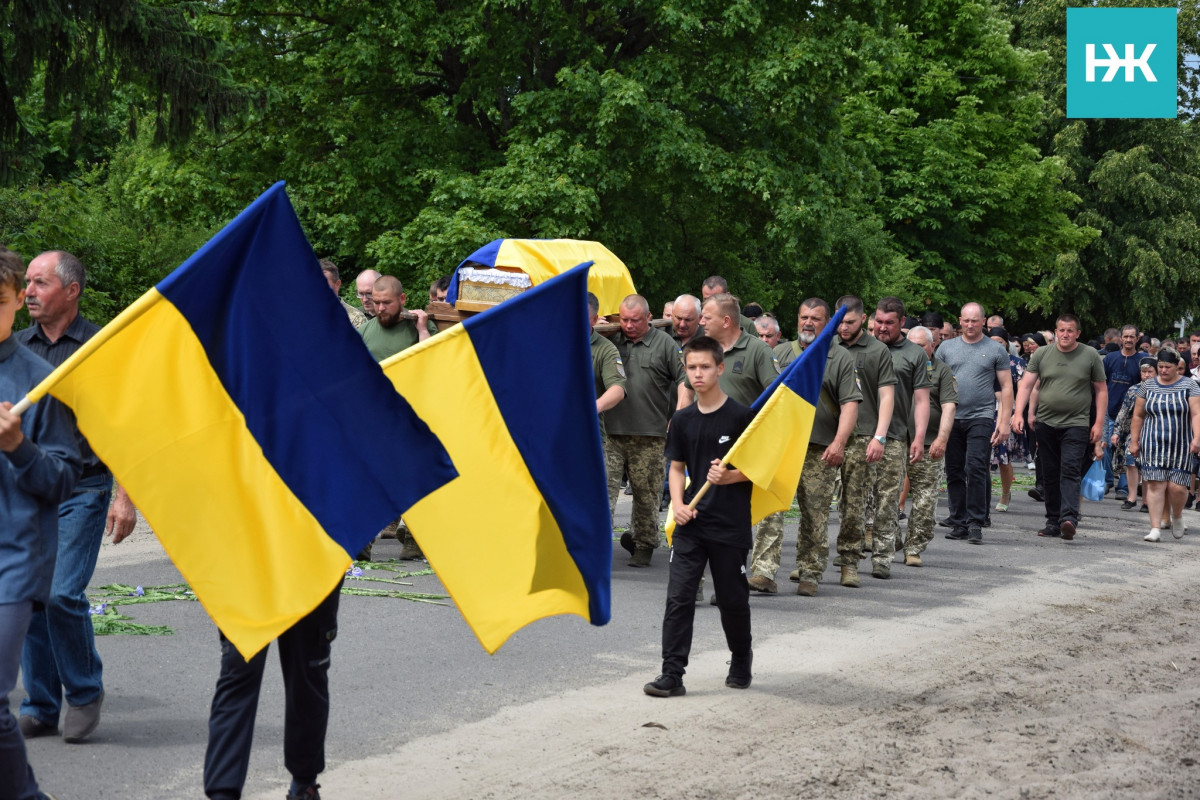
x=240 y=410
x=771 y=451
x=523 y=532
x=542 y=259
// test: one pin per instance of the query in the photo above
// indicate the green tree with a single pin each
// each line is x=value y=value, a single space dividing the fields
x=75 y=75
x=1139 y=185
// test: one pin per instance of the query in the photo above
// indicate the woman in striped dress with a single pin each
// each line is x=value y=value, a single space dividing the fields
x=1165 y=439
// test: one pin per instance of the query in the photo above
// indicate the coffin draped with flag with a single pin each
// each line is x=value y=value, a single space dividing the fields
x=524 y=531
x=249 y=424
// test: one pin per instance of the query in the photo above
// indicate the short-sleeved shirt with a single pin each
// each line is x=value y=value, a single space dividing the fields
x=872 y=369
x=1121 y=372
x=943 y=389
x=750 y=367
x=1065 y=390
x=387 y=342
x=974 y=365
x=696 y=438
x=55 y=353
x=912 y=373
x=838 y=387
x=652 y=373
x=607 y=368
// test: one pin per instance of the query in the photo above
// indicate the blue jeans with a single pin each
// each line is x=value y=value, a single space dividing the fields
x=60 y=650
x=16 y=776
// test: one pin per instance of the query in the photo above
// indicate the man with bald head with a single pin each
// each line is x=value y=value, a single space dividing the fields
x=362 y=289
x=978 y=364
x=637 y=428
x=685 y=315
x=393 y=329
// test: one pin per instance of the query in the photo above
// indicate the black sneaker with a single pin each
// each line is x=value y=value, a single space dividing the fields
x=957 y=533
x=974 y=535
x=1145 y=509
x=987 y=522
x=308 y=792
x=902 y=515
x=1036 y=494
x=739 y=672
x=1128 y=505
x=1050 y=533
x=946 y=523
x=627 y=542
x=665 y=686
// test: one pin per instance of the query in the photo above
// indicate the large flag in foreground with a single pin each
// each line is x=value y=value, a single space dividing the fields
x=251 y=427
x=770 y=452
x=524 y=531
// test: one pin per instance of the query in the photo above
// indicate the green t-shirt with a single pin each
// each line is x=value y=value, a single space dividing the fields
x=912 y=373
x=749 y=369
x=652 y=373
x=943 y=389
x=838 y=387
x=1065 y=390
x=872 y=368
x=607 y=368
x=386 y=342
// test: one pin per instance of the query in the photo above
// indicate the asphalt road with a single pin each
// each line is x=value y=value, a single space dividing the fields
x=403 y=670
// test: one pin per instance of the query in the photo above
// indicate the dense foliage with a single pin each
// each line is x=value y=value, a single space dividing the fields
x=915 y=147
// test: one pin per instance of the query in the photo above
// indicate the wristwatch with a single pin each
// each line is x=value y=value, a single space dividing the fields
x=881 y=439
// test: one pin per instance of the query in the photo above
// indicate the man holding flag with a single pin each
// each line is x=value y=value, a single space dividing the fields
x=715 y=530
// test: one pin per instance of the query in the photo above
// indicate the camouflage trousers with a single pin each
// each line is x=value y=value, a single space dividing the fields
x=817 y=484
x=768 y=546
x=854 y=496
x=642 y=458
x=924 y=478
x=889 y=480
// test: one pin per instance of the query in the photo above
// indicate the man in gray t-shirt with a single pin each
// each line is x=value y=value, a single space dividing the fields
x=978 y=364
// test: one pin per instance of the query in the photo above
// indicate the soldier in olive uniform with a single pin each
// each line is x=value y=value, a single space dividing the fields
x=877 y=382
x=607 y=369
x=833 y=426
x=637 y=428
x=714 y=285
x=925 y=476
x=904 y=444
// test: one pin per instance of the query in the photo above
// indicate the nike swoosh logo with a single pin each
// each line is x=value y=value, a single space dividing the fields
x=723 y=440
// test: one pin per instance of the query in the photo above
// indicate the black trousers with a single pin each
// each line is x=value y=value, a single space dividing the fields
x=1063 y=452
x=304 y=658
x=728 y=568
x=968 y=480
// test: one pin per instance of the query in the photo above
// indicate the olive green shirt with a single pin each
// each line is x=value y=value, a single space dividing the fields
x=607 y=368
x=838 y=387
x=652 y=373
x=1065 y=390
x=872 y=368
x=386 y=342
x=749 y=369
x=912 y=373
x=943 y=389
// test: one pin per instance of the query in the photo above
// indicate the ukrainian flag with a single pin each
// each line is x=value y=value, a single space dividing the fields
x=524 y=531
x=240 y=410
x=542 y=259
x=770 y=452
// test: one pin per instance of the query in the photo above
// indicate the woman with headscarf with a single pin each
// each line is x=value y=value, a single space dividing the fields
x=1165 y=439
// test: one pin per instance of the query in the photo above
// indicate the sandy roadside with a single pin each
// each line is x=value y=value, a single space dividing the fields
x=1055 y=686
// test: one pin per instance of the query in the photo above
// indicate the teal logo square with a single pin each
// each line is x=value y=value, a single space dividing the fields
x=1121 y=62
